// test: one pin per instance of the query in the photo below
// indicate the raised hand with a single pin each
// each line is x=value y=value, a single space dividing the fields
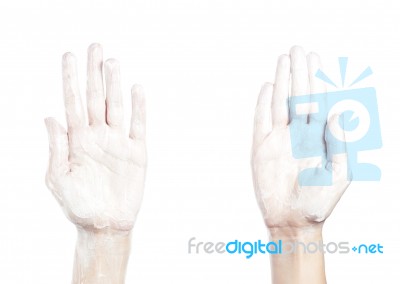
x=286 y=204
x=96 y=171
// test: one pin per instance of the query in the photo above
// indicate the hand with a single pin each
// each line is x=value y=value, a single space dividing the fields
x=96 y=172
x=284 y=203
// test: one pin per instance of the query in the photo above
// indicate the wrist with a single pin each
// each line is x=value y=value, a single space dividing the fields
x=301 y=259
x=304 y=233
x=105 y=241
x=101 y=256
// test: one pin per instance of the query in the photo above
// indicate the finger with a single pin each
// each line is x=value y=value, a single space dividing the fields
x=96 y=101
x=299 y=78
x=299 y=71
x=262 y=118
x=138 y=118
x=114 y=111
x=72 y=100
x=317 y=86
x=280 y=112
x=58 y=145
x=335 y=139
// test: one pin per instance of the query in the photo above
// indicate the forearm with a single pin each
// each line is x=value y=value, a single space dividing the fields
x=101 y=257
x=298 y=267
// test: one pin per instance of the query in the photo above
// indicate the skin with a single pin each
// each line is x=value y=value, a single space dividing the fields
x=96 y=171
x=292 y=212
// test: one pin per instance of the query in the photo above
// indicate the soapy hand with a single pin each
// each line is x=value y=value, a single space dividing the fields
x=96 y=171
x=284 y=203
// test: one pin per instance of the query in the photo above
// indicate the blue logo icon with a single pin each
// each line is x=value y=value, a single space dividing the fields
x=354 y=110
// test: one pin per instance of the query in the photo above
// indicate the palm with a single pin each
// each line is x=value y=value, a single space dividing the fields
x=282 y=201
x=105 y=186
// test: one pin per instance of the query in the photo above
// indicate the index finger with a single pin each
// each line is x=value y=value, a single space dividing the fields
x=72 y=100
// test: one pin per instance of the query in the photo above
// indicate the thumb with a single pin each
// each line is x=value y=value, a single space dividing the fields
x=58 y=146
x=335 y=139
x=138 y=119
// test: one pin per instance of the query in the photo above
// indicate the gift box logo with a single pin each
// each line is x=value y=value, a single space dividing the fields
x=357 y=112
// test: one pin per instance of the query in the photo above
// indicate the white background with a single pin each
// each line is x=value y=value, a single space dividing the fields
x=201 y=64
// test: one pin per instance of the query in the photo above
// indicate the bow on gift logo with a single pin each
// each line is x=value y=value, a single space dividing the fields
x=355 y=111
